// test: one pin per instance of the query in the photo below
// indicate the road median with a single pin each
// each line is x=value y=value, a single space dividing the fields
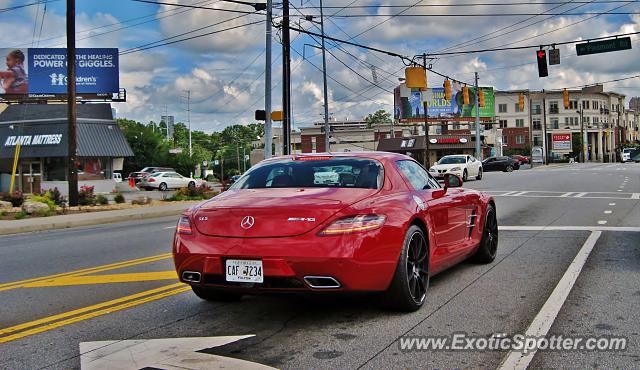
x=92 y=218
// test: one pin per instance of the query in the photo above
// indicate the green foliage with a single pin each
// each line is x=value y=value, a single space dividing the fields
x=20 y=215
x=56 y=197
x=16 y=198
x=3 y=213
x=119 y=198
x=379 y=117
x=44 y=199
x=195 y=193
x=43 y=212
x=86 y=197
x=102 y=200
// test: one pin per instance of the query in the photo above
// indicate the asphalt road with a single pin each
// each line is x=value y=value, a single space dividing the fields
x=115 y=283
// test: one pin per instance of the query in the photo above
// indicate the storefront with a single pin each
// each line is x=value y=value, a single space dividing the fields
x=439 y=146
x=42 y=132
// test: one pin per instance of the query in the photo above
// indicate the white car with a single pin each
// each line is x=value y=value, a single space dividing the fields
x=463 y=165
x=626 y=154
x=166 y=180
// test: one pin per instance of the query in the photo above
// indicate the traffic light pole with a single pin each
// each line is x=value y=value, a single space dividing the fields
x=478 y=153
x=268 y=132
x=286 y=80
x=72 y=168
x=427 y=158
x=327 y=130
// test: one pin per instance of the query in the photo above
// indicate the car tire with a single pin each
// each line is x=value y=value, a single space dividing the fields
x=488 y=247
x=479 y=177
x=162 y=186
x=465 y=176
x=408 y=289
x=191 y=185
x=508 y=169
x=214 y=295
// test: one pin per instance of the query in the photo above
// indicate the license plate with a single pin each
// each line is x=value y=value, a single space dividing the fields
x=244 y=271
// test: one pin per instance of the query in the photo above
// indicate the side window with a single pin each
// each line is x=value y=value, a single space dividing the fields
x=416 y=175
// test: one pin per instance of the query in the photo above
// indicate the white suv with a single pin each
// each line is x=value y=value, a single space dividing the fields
x=463 y=165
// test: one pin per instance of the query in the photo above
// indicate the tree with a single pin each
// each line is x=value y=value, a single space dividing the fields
x=149 y=147
x=379 y=117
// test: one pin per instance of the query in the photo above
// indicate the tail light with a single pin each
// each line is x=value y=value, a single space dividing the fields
x=151 y=180
x=354 y=224
x=184 y=226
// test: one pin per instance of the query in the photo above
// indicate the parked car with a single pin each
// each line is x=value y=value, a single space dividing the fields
x=157 y=169
x=505 y=164
x=166 y=180
x=387 y=226
x=116 y=176
x=523 y=159
x=137 y=176
x=462 y=165
x=626 y=154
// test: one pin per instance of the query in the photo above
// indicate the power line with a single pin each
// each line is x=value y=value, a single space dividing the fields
x=44 y=12
x=460 y=5
x=10 y=8
x=193 y=6
x=477 y=15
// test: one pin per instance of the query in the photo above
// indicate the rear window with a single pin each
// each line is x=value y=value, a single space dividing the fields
x=452 y=160
x=323 y=173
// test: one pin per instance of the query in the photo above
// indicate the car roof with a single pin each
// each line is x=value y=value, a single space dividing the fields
x=456 y=155
x=369 y=155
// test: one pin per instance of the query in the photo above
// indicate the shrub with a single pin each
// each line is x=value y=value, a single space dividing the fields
x=195 y=193
x=56 y=197
x=20 y=215
x=3 y=213
x=102 y=200
x=86 y=197
x=119 y=198
x=44 y=199
x=16 y=198
x=43 y=212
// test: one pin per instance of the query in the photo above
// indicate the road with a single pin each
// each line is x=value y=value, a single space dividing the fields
x=116 y=283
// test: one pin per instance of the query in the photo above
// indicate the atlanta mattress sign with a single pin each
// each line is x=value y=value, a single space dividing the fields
x=38 y=71
x=561 y=142
x=27 y=140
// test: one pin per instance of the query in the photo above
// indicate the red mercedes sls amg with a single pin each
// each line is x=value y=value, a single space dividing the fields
x=371 y=222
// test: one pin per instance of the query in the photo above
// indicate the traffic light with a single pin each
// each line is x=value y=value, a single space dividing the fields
x=543 y=71
x=415 y=77
x=447 y=89
x=465 y=95
x=565 y=98
x=480 y=97
x=521 y=102
x=260 y=115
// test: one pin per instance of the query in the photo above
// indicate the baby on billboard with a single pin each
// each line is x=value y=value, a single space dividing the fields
x=14 y=79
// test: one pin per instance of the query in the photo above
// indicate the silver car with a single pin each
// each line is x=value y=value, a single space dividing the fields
x=166 y=180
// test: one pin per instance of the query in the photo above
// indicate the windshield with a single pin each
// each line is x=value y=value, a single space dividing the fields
x=452 y=160
x=325 y=173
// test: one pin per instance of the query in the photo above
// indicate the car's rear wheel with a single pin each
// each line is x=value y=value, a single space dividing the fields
x=489 y=243
x=509 y=169
x=408 y=289
x=479 y=177
x=191 y=185
x=162 y=187
x=214 y=295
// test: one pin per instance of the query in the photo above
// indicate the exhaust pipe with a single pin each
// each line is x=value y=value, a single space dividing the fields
x=191 y=276
x=322 y=282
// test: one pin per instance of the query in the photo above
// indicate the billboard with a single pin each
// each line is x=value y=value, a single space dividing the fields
x=39 y=71
x=561 y=142
x=409 y=103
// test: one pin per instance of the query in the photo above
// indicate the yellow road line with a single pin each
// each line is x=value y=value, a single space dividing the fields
x=112 y=266
x=50 y=322
x=104 y=279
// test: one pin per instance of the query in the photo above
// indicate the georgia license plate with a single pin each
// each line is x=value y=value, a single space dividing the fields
x=244 y=271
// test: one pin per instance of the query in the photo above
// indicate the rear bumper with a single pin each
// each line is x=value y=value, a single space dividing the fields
x=358 y=262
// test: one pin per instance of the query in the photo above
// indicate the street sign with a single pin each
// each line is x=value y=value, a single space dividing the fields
x=561 y=142
x=604 y=46
x=554 y=56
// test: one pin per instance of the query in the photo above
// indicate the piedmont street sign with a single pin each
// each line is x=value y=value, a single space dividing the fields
x=604 y=46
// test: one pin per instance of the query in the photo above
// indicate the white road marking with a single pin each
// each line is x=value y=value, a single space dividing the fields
x=608 y=212
x=580 y=195
x=519 y=194
x=509 y=193
x=635 y=196
x=602 y=222
x=168 y=227
x=619 y=189
x=566 y=195
x=169 y=353
x=612 y=204
x=632 y=229
x=544 y=319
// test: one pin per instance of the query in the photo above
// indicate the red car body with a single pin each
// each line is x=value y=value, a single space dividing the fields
x=286 y=231
x=521 y=158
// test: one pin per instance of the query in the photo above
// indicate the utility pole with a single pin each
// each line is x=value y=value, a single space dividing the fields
x=72 y=169
x=545 y=156
x=268 y=131
x=189 y=120
x=478 y=150
x=583 y=156
x=286 y=79
x=425 y=105
x=324 y=75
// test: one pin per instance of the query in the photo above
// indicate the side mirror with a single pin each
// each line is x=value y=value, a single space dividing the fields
x=452 y=181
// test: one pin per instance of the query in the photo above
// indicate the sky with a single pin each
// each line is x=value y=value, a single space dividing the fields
x=224 y=71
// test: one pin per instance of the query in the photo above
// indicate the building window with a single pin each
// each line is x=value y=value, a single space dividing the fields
x=553 y=107
x=520 y=139
x=456 y=126
x=554 y=123
x=595 y=105
x=537 y=108
x=566 y=120
x=314 y=146
x=536 y=124
x=517 y=108
x=595 y=119
x=573 y=104
x=503 y=123
x=520 y=122
x=502 y=108
x=585 y=104
x=504 y=140
x=537 y=141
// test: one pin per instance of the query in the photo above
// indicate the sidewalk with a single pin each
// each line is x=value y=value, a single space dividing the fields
x=92 y=218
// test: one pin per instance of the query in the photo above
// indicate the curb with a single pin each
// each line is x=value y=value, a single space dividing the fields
x=106 y=219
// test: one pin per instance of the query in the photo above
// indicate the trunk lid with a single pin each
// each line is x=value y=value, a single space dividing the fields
x=259 y=213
